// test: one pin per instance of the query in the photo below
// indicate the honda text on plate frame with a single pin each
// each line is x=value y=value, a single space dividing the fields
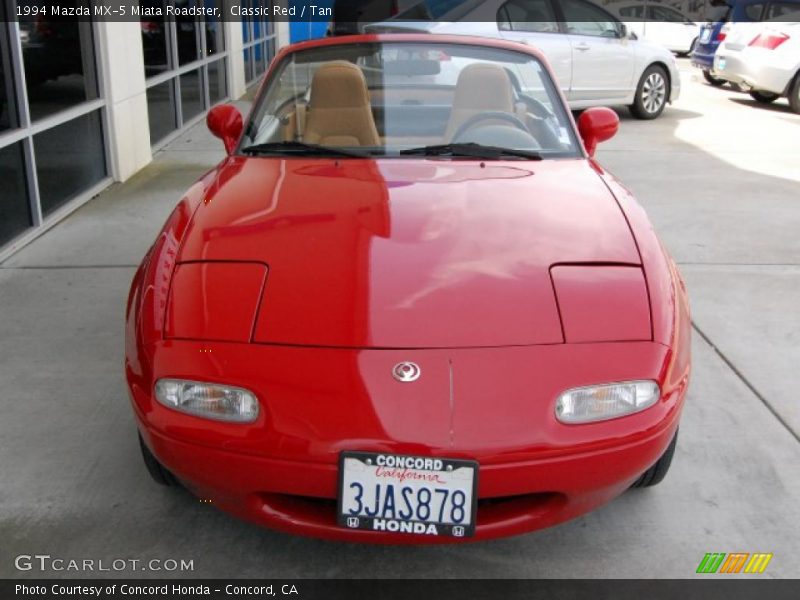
x=407 y=494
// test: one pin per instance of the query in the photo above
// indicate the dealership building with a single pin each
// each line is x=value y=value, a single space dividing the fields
x=86 y=103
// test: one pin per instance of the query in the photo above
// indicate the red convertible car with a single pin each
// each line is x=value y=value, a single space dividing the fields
x=409 y=306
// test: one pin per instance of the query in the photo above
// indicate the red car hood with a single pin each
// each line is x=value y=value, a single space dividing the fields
x=408 y=253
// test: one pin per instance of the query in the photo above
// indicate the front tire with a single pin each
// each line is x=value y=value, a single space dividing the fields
x=652 y=94
x=715 y=81
x=655 y=474
x=763 y=97
x=157 y=471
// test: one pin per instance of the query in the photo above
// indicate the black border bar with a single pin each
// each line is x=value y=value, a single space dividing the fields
x=709 y=588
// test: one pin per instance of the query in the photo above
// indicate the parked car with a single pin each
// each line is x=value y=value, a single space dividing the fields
x=659 y=23
x=764 y=59
x=715 y=31
x=596 y=60
x=390 y=291
x=350 y=16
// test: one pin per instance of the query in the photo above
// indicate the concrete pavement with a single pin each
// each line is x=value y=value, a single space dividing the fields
x=716 y=177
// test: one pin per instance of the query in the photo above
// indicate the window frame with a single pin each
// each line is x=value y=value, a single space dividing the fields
x=560 y=26
x=563 y=20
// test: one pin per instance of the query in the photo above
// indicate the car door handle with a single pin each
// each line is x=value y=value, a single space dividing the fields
x=583 y=47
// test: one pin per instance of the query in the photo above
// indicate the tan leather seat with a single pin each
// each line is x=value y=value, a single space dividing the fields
x=480 y=88
x=339 y=113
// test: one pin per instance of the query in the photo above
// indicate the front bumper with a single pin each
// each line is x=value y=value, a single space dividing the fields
x=281 y=472
x=675 y=82
x=513 y=498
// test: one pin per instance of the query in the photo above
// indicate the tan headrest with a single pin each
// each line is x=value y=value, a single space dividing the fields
x=339 y=84
x=484 y=87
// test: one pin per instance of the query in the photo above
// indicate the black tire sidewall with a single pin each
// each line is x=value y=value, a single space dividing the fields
x=715 y=81
x=763 y=97
x=794 y=94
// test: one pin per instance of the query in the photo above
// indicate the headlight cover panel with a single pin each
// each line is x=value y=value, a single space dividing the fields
x=602 y=303
x=214 y=301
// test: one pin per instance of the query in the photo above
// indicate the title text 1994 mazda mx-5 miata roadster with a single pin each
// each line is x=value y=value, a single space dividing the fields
x=408 y=306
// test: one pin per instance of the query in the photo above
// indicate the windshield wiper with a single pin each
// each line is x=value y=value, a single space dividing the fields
x=301 y=149
x=471 y=150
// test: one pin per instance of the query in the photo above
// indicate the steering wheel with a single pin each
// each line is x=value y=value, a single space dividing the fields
x=489 y=116
x=537 y=107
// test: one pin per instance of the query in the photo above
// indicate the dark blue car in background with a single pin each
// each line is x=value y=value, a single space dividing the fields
x=733 y=11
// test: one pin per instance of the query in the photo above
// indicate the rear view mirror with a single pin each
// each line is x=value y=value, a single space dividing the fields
x=412 y=68
x=596 y=125
x=225 y=122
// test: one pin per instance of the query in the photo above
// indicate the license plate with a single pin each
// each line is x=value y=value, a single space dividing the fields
x=721 y=63
x=391 y=493
x=705 y=36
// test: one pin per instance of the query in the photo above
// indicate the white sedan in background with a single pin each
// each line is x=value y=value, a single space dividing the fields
x=764 y=58
x=596 y=60
x=660 y=24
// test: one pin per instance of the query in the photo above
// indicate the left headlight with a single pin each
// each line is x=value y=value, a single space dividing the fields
x=209 y=400
x=603 y=402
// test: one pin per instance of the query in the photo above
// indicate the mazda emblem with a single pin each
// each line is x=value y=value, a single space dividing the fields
x=406 y=372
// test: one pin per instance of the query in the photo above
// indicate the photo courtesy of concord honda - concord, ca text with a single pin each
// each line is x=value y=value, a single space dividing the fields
x=148 y=590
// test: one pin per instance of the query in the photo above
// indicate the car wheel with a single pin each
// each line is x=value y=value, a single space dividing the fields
x=157 y=471
x=794 y=94
x=763 y=97
x=655 y=474
x=651 y=94
x=715 y=81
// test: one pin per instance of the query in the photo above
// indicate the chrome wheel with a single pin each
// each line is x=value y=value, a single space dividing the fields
x=654 y=92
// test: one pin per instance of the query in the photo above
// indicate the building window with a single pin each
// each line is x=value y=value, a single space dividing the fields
x=161 y=110
x=69 y=158
x=217 y=81
x=184 y=66
x=15 y=212
x=8 y=106
x=192 y=95
x=258 y=35
x=52 y=137
x=60 y=71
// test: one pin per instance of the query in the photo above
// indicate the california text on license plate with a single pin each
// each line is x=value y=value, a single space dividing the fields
x=391 y=493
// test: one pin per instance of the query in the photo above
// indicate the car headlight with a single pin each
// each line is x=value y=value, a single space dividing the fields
x=209 y=400
x=609 y=401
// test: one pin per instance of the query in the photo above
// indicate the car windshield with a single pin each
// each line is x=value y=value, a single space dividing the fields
x=401 y=99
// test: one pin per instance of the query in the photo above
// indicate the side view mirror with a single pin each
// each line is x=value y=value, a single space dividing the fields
x=596 y=125
x=225 y=122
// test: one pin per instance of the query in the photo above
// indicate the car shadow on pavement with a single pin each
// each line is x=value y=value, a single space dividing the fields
x=779 y=106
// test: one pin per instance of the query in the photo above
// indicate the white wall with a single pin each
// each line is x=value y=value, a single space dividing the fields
x=283 y=35
x=121 y=57
x=119 y=47
x=237 y=86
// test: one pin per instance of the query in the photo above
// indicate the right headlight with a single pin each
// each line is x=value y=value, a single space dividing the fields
x=209 y=400
x=609 y=401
